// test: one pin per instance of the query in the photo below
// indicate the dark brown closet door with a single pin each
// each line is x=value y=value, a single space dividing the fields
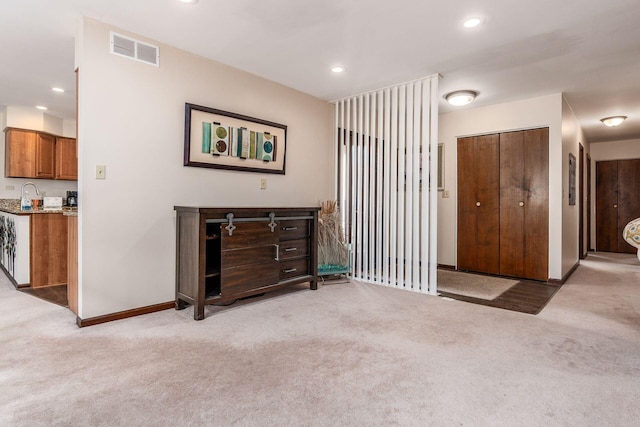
x=628 y=199
x=607 y=206
x=536 y=204
x=478 y=204
x=524 y=204
x=511 y=212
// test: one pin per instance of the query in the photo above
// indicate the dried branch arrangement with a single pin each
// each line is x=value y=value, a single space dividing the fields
x=332 y=248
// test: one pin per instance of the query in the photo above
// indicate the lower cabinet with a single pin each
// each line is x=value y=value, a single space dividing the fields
x=48 y=249
x=223 y=254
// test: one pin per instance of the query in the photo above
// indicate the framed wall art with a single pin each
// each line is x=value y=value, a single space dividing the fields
x=223 y=140
x=441 y=167
x=572 y=179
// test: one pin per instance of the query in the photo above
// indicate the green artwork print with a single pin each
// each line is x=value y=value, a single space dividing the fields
x=220 y=140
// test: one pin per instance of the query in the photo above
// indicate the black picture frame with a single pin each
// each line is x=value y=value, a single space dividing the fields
x=244 y=143
x=572 y=179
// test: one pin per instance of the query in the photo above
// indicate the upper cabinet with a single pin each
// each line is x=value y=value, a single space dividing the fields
x=66 y=158
x=33 y=154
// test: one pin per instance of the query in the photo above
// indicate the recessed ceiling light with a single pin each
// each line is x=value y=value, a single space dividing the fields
x=461 y=97
x=41 y=107
x=57 y=89
x=188 y=1
x=613 y=120
x=337 y=69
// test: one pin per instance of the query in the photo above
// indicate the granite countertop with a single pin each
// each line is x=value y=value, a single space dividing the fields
x=12 y=206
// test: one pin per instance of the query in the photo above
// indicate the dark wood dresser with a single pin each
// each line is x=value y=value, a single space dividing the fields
x=223 y=254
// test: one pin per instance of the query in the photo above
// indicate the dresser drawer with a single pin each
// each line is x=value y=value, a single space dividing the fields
x=294 y=248
x=294 y=229
x=294 y=268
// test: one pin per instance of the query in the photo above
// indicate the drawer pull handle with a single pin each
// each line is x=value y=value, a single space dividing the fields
x=277 y=252
x=290 y=270
x=291 y=249
x=289 y=228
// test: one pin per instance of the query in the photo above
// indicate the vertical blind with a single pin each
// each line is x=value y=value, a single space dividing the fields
x=387 y=183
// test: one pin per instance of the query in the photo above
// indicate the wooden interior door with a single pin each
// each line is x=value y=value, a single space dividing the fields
x=524 y=204
x=536 y=204
x=589 y=246
x=478 y=204
x=607 y=206
x=467 y=210
x=581 y=252
x=628 y=199
x=511 y=210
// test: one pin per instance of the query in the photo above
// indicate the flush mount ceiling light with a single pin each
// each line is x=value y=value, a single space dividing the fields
x=57 y=89
x=472 y=22
x=613 y=120
x=337 y=69
x=188 y=1
x=41 y=107
x=461 y=97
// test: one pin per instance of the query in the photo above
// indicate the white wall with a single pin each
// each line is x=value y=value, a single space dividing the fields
x=544 y=111
x=29 y=118
x=612 y=150
x=572 y=136
x=131 y=119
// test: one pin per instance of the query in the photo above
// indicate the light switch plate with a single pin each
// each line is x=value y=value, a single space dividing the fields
x=445 y=194
x=263 y=183
x=101 y=172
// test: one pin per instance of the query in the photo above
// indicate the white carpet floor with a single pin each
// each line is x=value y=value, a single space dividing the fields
x=345 y=355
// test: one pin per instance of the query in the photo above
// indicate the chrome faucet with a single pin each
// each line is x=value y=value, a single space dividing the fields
x=25 y=204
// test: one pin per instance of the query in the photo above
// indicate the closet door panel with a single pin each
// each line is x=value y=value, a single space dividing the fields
x=628 y=199
x=488 y=182
x=607 y=206
x=511 y=213
x=467 y=210
x=536 y=204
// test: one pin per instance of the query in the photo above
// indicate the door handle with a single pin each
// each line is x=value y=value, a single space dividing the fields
x=477 y=203
x=277 y=252
x=521 y=204
x=615 y=206
x=291 y=249
x=289 y=228
x=290 y=270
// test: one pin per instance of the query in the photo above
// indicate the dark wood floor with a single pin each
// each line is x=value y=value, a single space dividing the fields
x=54 y=294
x=525 y=297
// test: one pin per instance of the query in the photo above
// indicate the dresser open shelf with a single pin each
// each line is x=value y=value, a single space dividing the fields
x=223 y=254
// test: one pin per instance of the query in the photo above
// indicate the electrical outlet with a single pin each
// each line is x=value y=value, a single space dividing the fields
x=263 y=183
x=445 y=194
x=101 y=172
x=10 y=187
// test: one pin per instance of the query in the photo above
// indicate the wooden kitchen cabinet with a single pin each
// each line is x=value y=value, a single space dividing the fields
x=221 y=258
x=33 y=154
x=72 y=263
x=66 y=159
x=49 y=247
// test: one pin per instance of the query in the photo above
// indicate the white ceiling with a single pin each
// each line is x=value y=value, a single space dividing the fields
x=587 y=49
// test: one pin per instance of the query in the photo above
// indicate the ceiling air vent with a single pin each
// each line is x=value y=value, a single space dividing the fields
x=134 y=49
